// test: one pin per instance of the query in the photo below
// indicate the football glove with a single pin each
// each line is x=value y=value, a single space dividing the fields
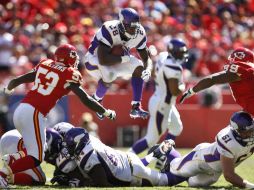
x=74 y=182
x=60 y=180
x=187 y=94
x=146 y=74
x=111 y=114
x=181 y=87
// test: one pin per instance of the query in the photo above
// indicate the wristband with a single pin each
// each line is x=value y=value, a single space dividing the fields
x=191 y=91
x=7 y=91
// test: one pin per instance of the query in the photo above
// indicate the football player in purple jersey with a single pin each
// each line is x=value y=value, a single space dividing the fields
x=207 y=161
x=106 y=67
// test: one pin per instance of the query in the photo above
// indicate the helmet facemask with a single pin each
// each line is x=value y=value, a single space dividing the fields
x=243 y=132
x=129 y=23
x=74 y=141
x=130 y=30
x=67 y=55
x=74 y=55
x=178 y=50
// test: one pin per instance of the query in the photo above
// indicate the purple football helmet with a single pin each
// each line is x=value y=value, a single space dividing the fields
x=242 y=126
x=54 y=143
x=130 y=23
x=75 y=140
x=178 y=49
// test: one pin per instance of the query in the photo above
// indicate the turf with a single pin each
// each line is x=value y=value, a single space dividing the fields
x=246 y=170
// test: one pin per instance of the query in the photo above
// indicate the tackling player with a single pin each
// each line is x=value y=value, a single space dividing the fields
x=52 y=79
x=169 y=84
x=107 y=67
x=107 y=166
x=12 y=142
x=66 y=171
x=238 y=73
x=207 y=161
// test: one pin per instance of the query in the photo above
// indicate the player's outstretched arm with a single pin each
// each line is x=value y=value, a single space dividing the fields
x=26 y=78
x=216 y=78
x=106 y=58
x=99 y=177
x=148 y=64
x=90 y=102
x=228 y=169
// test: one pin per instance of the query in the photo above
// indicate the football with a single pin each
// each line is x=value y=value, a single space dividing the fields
x=117 y=50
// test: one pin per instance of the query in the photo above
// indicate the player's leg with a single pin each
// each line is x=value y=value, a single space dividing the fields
x=8 y=144
x=33 y=176
x=134 y=70
x=30 y=124
x=203 y=180
x=155 y=126
x=139 y=170
x=187 y=165
x=153 y=129
x=175 y=124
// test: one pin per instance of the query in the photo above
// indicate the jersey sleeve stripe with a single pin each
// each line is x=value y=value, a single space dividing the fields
x=106 y=34
x=187 y=158
x=63 y=164
x=94 y=45
x=141 y=42
x=85 y=158
x=174 y=67
x=222 y=146
x=90 y=67
x=38 y=134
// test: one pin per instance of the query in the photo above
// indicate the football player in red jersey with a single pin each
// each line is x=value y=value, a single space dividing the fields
x=239 y=73
x=52 y=79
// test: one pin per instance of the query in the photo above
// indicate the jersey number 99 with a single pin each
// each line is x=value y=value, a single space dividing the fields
x=231 y=68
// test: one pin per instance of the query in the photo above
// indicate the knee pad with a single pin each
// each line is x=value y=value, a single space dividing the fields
x=175 y=129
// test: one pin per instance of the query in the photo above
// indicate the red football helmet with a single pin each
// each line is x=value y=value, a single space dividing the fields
x=67 y=54
x=241 y=54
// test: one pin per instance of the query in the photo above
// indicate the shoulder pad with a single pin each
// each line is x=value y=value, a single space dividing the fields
x=225 y=143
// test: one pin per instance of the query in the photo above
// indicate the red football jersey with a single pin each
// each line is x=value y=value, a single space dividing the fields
x=243 y=90
x=50 y=85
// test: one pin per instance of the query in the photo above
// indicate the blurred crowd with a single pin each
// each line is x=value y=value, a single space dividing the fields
x=31 y=30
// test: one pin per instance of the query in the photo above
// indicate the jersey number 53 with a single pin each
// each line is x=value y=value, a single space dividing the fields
x=48 y=87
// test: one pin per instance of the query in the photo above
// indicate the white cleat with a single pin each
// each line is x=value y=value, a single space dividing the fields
x=3 y=183
x=7 y=159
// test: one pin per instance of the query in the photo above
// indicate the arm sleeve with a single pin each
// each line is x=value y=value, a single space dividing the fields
x=105 y=36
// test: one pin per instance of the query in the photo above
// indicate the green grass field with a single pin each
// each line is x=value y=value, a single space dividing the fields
x=246 y=170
